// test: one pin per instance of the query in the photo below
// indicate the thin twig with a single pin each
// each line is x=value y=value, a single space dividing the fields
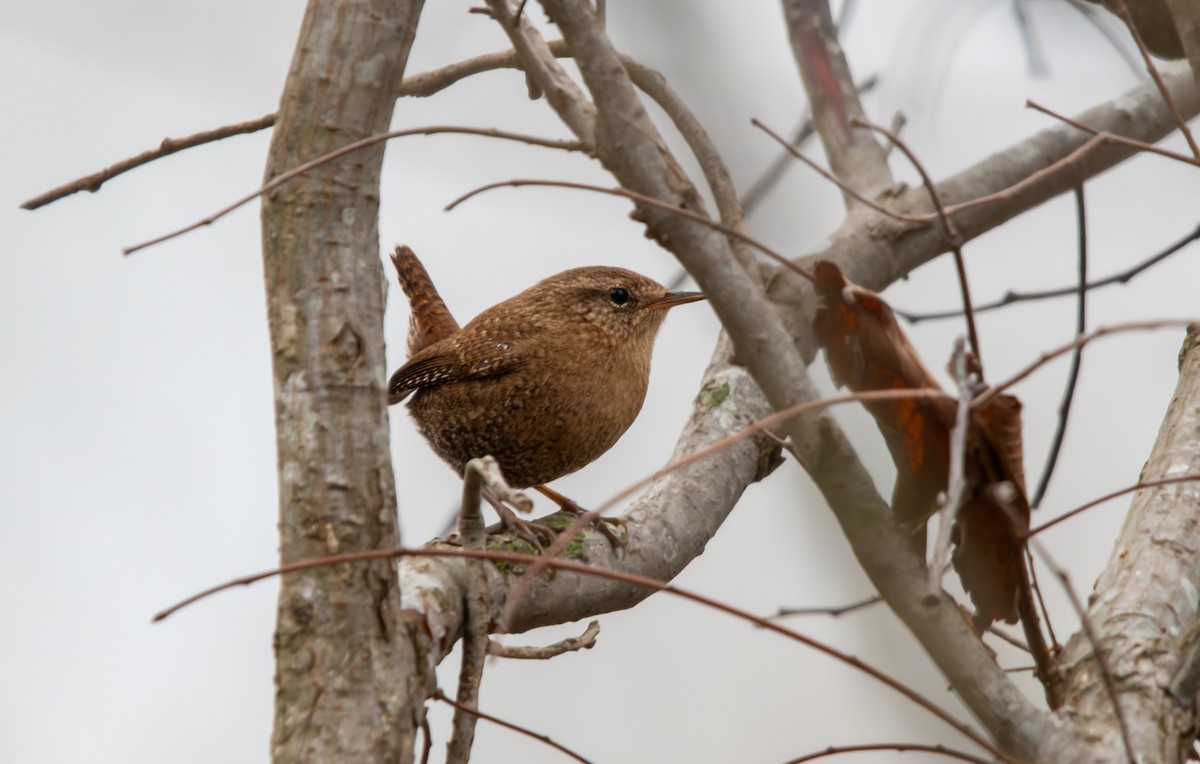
x=758 y=190
x=1108 y=496
x=1120 y=140
x=1123 y=12
x=585 y=641
x=476 y=474
x=833 y=612
x=427 y=738
x=1009 y=638
x=1064 y=408
x=900 y=747
x=916 y=219
x=632 y=579
x=1089 y=632
x=1032 y=179
x=350 y=148
x=1055 y=646
x=649 y=201
x=1133 y=326
x=952 y=236
x=474 y=712
x=957 y=488
x=168 y=146
x=1010 y=298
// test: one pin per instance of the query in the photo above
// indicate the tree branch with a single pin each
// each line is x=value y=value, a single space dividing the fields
x=169 y=146
x=874 y=252
x=766 y=349
x=854 y=156
x=1144 y=606
x=348 y=683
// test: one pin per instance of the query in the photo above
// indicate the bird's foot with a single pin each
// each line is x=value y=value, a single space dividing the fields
x=538 y=535
x=603 y=524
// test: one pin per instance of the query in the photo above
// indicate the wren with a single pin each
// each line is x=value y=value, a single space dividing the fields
x=545 y=381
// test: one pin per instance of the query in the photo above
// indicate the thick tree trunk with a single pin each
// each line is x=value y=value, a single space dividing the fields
x=341 y=653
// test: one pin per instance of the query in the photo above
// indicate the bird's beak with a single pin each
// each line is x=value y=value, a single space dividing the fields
x=671 y=299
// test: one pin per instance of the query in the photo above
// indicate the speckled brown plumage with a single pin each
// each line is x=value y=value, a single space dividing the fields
x=545 y=381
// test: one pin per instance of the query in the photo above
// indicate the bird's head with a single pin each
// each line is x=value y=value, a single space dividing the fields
x=625 y=305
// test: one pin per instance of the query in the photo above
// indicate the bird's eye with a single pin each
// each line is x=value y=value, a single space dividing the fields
x=618 y=295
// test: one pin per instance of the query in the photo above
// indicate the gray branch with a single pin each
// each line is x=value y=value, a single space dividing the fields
x=1144 y=609
x=345 y=685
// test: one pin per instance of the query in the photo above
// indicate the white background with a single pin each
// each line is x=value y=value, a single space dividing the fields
x=136 y=422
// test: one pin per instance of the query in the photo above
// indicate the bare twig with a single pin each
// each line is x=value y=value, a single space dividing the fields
x=1055 y=646
x=426 y=738
x=585 y=641
x=350 y=148
x=916 y=219
x=952 y=236
x=632 y=579
x=1064 y=408
x=1119 y=140
x=1133 y=326
x=956 y=490
x=1108 y=496
x=1123 y=12
x=474 y=712
x=648 y=201
x=834 y=612
x=476 y=474
x=1090 y=633
x=941 y=750
x=772 y=173
x=1010 y=298
x=1009 y=638
x=168 y=146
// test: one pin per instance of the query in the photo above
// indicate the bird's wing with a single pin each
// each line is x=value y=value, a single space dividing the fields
x=446 y=362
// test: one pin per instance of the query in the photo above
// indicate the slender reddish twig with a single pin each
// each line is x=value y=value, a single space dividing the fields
x=649 y=201
x=983 y=398
x=1032 y=179
x=168 y=146
x=1108 y=496
x=953 y=238
x=370 y=140
x=427 y=738
x=466 y=709
x=1123 y=12
x=632 y=579
x=917 y=219
x=1119 y=140
x=759 y=188
x=901 y=747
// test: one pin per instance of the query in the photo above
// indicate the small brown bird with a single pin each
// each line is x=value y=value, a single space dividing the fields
x=545 y=381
